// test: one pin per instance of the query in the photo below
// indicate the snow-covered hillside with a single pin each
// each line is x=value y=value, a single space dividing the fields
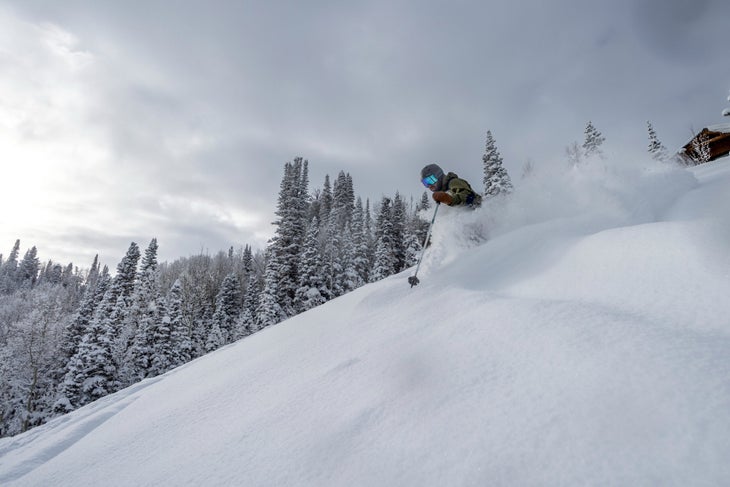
x=587 y=342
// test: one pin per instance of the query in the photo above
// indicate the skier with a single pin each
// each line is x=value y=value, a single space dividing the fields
x=449 y=188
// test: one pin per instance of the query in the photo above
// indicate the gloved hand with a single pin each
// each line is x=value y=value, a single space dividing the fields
x=442 y=197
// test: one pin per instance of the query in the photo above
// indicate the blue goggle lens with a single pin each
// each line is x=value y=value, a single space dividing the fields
x=430 y=180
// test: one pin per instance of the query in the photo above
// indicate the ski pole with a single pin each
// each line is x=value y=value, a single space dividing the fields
x=413 y=280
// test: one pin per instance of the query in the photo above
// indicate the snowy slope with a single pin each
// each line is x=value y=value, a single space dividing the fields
x=587 y=342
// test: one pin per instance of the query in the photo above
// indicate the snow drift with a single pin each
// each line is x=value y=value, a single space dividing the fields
x=585 y=343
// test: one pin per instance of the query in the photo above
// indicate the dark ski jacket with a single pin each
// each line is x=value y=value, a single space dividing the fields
x=460 y=191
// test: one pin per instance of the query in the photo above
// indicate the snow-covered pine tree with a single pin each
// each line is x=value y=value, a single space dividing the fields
x=268 y=311
x=247 y=261
x=247 y=322
x=330 y=250
x=285 y=246
x=181 y=346
x=413 y=249
x=51 y=274
x=198 y=297
x=369 y=231
x=70 y=392
x=656 y=148
x=424 y=203
x=216 y=338
x=101 y=351
x=360 y=258
x=8 y=271
x=343 y=201
x=27 y=273
x=117 y=324
x=311 y=291
x=143 y=322
x=399 y=232
x=227 y=309
x=91 y=371
x=325 y=201
x=496 y=179
x=592 y=141
x=77 y=326
x=385 y=261
x=242 y=326
x=348 y=279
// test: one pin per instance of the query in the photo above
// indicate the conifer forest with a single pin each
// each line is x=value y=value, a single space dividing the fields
x=71 y=335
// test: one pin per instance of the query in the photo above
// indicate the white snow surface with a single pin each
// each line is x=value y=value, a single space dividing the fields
x=585 y=342
x=721 y=127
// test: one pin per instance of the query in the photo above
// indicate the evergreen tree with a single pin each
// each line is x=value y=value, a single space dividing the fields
x=285 y=246
x=348 y=279
x=325 y=201
x=592 y=142
x=9 y=270
x=96 y=364
x=247 y=261
x=51 y=274
x=227 y=309
x=115 y=317
x=142 y=320
x=496 y=179
x=385 y=261
x=216 y=338
x=425 y=202
x=27 y=273
x=311 y=291
x=343 y=201
x=247 y=322
x=413 y=250
x=369 y=232
x=398 y=232
x=656 y=148
x=70 y=393
x=91 y=371
x=361 y=257
x=93 y=275
x=331 y=260
x=269 y=311
x=76 y=328
x=181 y=346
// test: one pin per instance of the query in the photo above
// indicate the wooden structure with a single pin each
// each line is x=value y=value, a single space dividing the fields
x=717 y=140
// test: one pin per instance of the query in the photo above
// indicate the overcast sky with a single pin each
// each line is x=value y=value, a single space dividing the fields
x=126 y=120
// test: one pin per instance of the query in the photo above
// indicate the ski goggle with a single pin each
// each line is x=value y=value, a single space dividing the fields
x=430 y=180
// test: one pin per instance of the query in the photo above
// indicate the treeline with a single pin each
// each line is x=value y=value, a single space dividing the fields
x=70 y=336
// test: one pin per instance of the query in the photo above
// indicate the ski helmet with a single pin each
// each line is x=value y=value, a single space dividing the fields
x=432 y=170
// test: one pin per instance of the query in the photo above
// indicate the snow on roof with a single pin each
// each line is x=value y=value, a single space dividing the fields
x=720 y=127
